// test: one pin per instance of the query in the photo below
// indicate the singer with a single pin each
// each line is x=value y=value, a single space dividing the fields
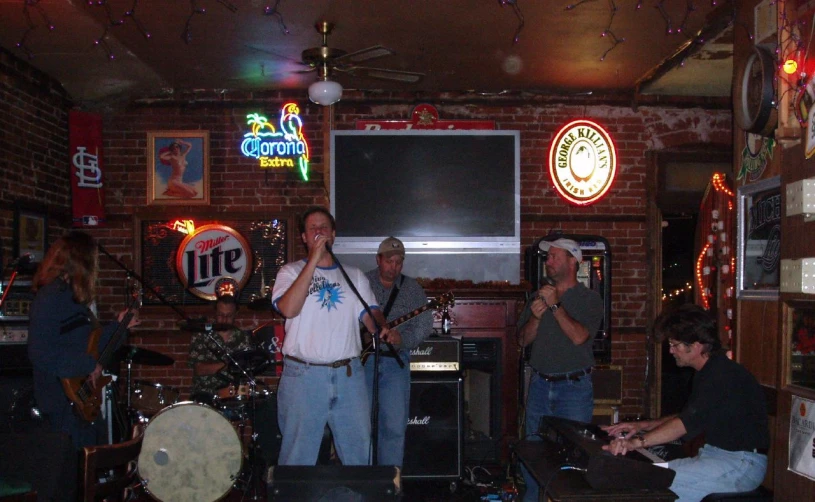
x=323 y=381
x=559 y=324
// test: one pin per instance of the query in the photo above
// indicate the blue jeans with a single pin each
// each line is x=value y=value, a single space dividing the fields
x=715 y=470
x=394 y=406
x=308 y=398
x=571 y=399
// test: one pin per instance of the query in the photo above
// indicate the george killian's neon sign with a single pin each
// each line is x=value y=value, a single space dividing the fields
x=284 y=148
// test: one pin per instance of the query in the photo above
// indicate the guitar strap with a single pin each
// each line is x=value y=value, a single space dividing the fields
x=392 y=298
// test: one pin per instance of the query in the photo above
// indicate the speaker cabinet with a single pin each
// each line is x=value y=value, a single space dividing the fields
x=330 y=483
x=433 y=440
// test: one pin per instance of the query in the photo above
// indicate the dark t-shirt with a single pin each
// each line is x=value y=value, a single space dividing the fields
x=553 y=351
x=727 y=404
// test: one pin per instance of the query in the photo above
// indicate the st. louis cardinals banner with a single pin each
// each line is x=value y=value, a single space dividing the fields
x=85 y=158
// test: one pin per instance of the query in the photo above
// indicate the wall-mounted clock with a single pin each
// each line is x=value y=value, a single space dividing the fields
x=754 y=93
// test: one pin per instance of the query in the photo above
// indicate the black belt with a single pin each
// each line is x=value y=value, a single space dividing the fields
x=335 y=364
x=574 y=375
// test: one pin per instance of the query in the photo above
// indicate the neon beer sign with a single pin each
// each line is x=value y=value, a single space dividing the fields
x=582 y=162
x=285 y=147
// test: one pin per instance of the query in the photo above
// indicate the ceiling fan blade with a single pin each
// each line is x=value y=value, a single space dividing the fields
x=273 y=53
x=383 y=73
x=377 y=51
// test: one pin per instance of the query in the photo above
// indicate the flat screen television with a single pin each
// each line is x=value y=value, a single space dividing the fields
x=452 y=196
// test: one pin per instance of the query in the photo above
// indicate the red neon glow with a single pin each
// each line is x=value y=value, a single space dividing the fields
x=699 y=280
x=183 y=226
x=575 y=192
x=719 y=184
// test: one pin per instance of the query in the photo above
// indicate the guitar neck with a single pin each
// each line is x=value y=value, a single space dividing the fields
x=410 y=315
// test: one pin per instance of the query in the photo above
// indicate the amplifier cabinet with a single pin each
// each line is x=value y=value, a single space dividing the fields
x=433 y=440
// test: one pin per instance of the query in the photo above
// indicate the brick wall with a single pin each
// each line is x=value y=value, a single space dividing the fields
x=33 y=147
x=239 y=185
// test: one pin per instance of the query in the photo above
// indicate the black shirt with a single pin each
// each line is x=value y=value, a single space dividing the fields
x=727 y=404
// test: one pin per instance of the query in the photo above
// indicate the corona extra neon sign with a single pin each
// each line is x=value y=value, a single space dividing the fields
x=285 y=147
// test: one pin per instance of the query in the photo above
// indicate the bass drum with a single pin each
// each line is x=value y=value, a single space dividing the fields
x=190 y=453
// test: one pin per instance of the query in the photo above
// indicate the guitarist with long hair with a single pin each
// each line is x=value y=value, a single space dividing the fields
x=61 y=326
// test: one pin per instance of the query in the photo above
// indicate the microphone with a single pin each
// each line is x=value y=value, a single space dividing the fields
x=21 y=260
x=328 y=247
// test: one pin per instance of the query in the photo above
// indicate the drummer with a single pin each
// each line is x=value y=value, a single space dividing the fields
x=206 y=359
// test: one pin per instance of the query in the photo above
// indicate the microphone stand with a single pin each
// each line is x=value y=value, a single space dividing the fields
x=375 y=340
x=149 y=288
x=130 y=273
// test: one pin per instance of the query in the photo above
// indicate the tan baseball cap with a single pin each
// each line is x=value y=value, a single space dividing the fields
x=391 y=246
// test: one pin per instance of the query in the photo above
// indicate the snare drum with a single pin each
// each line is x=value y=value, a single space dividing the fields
x=150 y=398
x=190 y=453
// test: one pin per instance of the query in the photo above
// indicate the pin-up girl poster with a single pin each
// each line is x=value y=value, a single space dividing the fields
x=178 y=167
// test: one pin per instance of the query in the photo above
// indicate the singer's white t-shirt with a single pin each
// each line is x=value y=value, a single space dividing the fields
x=327 y=328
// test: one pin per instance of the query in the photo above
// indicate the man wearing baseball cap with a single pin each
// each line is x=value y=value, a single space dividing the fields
x=388 y=282
x=558 y=326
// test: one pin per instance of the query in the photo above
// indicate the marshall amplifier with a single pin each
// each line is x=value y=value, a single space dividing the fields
x=437 y=354
x=433 y=439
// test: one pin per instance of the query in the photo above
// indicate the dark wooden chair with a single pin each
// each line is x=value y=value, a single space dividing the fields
x=109 y=471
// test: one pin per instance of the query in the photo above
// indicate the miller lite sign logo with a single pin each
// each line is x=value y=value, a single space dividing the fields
x=582 y=162
x=211 y=253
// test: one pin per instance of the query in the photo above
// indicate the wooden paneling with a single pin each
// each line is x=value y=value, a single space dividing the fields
x=493 y=314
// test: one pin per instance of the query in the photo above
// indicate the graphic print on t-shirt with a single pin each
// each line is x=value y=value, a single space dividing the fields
x=328 y=294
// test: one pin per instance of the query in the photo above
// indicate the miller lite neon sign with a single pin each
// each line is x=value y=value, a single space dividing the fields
x=208 y=255
x=582 y=162
x=286 y=147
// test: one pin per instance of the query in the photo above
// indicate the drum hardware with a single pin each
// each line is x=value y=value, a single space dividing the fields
x=131 y=355
x=262 y=304
x=150 y=398
x=198 y=326
x=243 y=390
x=252 y=361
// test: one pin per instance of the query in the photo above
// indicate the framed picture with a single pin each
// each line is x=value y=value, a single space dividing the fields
x=759 y=240
x=799 y=330
x=30 y=233
x=178 y=168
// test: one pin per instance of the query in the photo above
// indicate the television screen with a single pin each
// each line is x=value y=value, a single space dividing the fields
x=440 y=192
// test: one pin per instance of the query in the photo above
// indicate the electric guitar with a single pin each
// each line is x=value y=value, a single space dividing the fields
x=85 y=398
x=445 y=300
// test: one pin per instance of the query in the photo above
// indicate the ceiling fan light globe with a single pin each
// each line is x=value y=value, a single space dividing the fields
x=325 y=92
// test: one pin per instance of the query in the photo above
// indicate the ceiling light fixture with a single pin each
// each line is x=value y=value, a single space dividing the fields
x=324 y=92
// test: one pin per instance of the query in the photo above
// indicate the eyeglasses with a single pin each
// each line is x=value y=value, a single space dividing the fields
x=673 y=345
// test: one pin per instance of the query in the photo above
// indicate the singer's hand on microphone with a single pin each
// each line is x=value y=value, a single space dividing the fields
x=319 y=248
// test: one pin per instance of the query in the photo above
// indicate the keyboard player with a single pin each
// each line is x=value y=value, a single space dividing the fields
x=726 y=405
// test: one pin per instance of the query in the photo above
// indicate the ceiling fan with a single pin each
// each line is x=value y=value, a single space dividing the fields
x=327 y=59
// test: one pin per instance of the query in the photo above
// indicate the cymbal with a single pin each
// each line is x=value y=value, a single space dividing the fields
x=200 y=327
x=253 y=361
x=137 y=355
x=263 y=304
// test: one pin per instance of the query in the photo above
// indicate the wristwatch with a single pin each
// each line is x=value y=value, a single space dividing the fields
x=553 y=308
x=641 y=437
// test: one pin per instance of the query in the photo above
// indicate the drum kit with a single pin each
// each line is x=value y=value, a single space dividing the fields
x=199 y=450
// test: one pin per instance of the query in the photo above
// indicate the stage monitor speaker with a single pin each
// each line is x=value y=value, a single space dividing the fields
x=433 y=440
x=330 y=483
